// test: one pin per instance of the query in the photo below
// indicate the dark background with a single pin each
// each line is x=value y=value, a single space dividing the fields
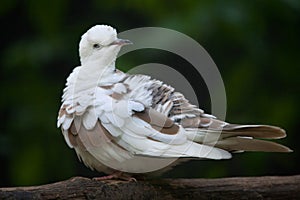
x=255 y=44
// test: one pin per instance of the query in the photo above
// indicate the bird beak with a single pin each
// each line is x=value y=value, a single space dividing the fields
x=121 y=42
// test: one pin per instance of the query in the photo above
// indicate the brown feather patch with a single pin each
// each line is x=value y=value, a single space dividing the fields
x=117 y=96
x=168 y=130
x=158 y=121
x=62 y=111
x=106 y=87
x=153 y=117
x=72 y=138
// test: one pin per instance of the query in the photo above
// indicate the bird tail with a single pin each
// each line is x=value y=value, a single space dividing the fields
x=239 y=138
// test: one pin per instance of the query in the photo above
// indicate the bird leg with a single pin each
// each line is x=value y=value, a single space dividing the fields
x=116 y=175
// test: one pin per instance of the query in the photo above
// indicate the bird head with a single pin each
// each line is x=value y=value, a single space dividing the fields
x=100 y=44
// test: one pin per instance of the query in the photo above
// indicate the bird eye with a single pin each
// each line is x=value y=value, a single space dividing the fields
x=96 y=46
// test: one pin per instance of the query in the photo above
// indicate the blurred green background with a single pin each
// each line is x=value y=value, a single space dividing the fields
x=255 y=44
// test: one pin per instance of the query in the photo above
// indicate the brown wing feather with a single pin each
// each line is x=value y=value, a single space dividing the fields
x=158 y=121
x=98 y=136
x=86 y=142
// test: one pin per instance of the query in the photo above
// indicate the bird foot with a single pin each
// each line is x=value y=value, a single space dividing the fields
x=116 y=175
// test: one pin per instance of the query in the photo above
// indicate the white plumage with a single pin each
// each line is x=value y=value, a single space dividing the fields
x=116 y=121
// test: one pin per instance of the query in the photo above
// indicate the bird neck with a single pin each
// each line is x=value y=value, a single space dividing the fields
x=85 y=79
x=95 y=73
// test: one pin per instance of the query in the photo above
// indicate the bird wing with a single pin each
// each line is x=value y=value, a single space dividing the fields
x=207 y=129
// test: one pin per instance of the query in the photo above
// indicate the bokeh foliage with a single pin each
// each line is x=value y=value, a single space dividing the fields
x=255 y=44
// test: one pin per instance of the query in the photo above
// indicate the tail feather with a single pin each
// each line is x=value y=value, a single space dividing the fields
x=256 y=131
x=248 y=144
x=236 y=138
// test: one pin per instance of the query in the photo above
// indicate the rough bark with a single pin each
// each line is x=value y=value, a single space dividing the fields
x=269 y=187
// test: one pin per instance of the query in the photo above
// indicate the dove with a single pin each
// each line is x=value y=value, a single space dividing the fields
x=122 y=124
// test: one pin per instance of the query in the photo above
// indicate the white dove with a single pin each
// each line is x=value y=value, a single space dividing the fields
x=118 y=122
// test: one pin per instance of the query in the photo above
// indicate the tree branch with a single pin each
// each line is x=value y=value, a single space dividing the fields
x=269 y=187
